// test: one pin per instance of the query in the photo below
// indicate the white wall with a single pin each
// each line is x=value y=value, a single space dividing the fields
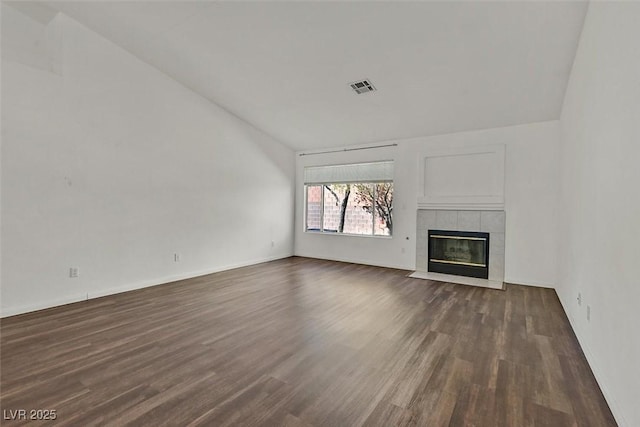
x=531 y=193
x=600 y=233
x=111 y=166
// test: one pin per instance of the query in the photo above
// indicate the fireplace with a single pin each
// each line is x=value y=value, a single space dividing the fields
x=462 y=253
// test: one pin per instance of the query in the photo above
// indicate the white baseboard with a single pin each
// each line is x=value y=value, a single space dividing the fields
x=461 y=280
x=12 y=311
x=27 y=308
x=356 y=261
x=529 y=283
x=596 y=369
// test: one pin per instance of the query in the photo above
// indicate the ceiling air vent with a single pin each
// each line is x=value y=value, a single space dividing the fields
x=362 y=86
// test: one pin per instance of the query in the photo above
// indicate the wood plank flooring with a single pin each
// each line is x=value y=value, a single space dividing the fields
x=303 y=342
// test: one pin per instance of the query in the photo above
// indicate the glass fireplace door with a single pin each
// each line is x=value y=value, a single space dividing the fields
x=459 y=252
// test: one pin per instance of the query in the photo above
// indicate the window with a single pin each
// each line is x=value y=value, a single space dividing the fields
x=350 y=199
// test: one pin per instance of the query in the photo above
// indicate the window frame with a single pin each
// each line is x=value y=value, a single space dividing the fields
x=321 y=230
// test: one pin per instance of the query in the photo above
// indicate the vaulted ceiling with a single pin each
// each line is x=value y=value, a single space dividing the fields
x=439 y=67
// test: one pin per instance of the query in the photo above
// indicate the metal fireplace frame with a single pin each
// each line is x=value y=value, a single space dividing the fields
x=458 y=269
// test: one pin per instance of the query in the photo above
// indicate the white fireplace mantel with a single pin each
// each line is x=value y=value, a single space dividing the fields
x=463 y=178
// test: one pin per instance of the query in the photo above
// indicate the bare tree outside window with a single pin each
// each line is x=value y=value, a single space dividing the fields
x=379 y=198
x=340 y=194
x=351 y=208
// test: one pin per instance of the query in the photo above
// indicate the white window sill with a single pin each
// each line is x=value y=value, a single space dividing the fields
x=326 y=233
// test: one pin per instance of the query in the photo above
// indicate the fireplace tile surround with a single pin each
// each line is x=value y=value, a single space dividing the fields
x=492 y=222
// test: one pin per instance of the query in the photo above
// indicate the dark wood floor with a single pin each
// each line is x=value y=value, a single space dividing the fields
x=302 y=342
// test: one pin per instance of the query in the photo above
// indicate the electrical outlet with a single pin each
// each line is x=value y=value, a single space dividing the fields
x=402 y=250
x=176 y=257
x=588 y=313
x=273 y=243
x=579 y=298
x=74 y=272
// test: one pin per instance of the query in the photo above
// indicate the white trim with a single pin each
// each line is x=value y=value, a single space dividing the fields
x=598 y=373
x=335 y=233
x=467 y=205
x=355 y=261
x=494 y=201
x=460 y=280
x=12 y=311
x=529 y=283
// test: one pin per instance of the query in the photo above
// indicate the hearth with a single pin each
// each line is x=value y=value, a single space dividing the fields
x=462 y=253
